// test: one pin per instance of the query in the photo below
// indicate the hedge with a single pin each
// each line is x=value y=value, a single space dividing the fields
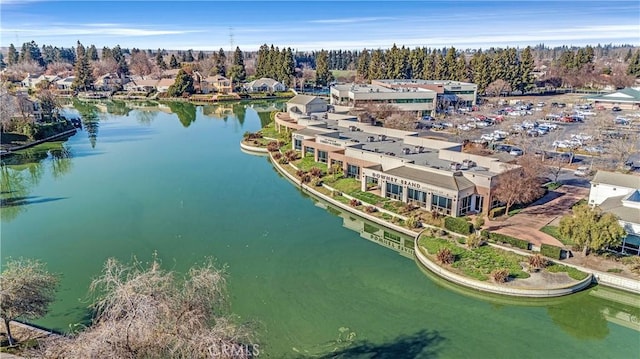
x=551 y=251
x=497 y=212
x=458 y=225
x=516 y=242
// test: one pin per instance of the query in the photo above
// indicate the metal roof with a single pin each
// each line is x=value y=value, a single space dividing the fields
x=450 y=181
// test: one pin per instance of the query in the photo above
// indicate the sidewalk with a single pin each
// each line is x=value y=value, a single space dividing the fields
x=526 y=224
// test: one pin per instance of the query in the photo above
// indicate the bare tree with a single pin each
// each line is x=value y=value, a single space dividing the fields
x=498 y=87
x=57 y=68
x=104 y=66
x=8 y=108
x=140 y=64
x=147 y=312
x=619 y=151
x=26 y=291
x=555 y=166
x=520 y=185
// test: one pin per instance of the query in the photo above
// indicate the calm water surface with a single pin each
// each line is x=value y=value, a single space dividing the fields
x=173 y=179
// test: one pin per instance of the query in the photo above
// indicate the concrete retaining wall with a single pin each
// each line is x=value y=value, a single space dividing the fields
x=260 y=150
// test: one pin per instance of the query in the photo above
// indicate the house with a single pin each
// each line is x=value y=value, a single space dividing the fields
x=216 y=83
x=619 y=194
x=163 y=84
x=65 y=83
x=306 y=105
x=627 y=99
x=265 y=84
x=108 y=82
x=32 y=80
x=141 y=85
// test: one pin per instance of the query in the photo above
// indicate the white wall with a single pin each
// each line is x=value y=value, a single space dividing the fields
x=600 y=192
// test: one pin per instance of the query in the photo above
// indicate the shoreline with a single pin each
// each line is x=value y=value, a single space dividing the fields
x=596 y=277
x=66 y=133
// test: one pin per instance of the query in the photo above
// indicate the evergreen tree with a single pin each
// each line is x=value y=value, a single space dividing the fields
x=182 y=85
x=449 y=65
x=429 y=68
x=376 y=65
x=238 y=72
x=526 y=69
x=480 y=70
x=362 y=69
x=31 y=52
x=188 y=57
x=106 y=53
x=634 y=65
x=441 y=72
x=173 y=62
x=221 y=63
x=83 y=72
x=288 y=66
x=92 y=53
x=513 y=76
x=2 y=64
x=416 y=63
x=261 y=61
x=12 y=55
x=201 y=56
x=122 y=69
x=160 y=60
x=461 y=72
x=323 y=75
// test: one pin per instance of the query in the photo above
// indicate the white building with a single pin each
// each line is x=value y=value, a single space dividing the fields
x=265 y=84
x=619 y=194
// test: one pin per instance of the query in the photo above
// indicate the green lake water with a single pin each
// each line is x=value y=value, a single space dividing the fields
x=173 y=180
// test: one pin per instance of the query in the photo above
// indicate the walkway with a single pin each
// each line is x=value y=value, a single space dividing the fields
x=526 y=224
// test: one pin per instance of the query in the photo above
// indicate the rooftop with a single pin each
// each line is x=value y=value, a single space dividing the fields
x=617 y=179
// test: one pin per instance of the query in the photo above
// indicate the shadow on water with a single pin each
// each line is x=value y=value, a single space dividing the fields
x=23 y=201
x=422 y=344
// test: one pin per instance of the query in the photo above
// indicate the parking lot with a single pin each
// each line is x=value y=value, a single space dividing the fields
x=554 y=127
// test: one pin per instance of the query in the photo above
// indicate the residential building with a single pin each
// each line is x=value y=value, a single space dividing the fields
x=265 y=84
x=628 y=99
x=142 y=85
x=32 y=80
x=108 y=82
x=65 y=83
x=216 y=83
x=432 y=174
x=164 y=84
x=619 y=194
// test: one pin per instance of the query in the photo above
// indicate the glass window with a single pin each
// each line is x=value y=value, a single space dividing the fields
x=441 y=204
x=310 y=150
x=394 y=191
x=417 y=197
x=297 y=144
x=353 y=171
x=465 y=205
x=322 y=156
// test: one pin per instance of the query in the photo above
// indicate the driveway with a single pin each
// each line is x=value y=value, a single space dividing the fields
x=526 y=224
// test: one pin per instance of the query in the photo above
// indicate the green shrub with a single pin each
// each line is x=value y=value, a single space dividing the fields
x=458 y=225
x=516 y=242
x=497 y=212
x=551 y=251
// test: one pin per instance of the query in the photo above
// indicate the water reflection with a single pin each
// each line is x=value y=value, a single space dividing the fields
x=22 y=171
x=185 y=111
x=587 y=315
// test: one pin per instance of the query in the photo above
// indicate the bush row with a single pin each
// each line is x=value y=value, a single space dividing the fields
x=551 y=251
x=458 y=225
x=516 y=242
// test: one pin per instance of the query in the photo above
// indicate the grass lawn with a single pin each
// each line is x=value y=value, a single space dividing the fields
x=345 y=185
x=572 y=272
x=307 y=162
x=553 y=185
x=554 y=231
x=477 y=263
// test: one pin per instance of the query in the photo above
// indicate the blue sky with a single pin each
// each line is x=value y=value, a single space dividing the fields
x=311 y=25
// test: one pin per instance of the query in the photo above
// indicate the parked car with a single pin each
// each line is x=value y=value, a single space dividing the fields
x=516 y=152
x=582 y=171
x=616 y=109
x=621 y=121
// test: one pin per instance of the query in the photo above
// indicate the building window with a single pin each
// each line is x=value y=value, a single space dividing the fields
x=465 y=205
x=297 y=144
x=310 y=150
x=441 y=204
x=495 y=203
x=417 y=197
x=394 y=191
x=322 y=156
x=353 y=171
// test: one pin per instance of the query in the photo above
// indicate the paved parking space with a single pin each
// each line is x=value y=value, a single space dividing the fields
x=526 y=224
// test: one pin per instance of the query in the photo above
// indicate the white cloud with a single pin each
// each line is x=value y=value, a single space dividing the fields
x=352 y=20
x=105 y=29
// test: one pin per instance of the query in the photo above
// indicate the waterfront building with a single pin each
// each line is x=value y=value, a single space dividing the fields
x=432 y=174
x=265 y=84
x=619 y=194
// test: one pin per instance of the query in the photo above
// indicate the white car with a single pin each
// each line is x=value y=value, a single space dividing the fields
x=516 y=152
x=487 y=137
x=582 y=171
